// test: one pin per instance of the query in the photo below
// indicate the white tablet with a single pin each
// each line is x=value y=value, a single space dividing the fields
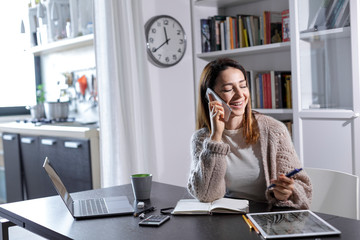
x=299 y=223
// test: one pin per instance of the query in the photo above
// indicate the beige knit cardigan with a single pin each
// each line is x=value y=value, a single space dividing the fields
x=207 y=176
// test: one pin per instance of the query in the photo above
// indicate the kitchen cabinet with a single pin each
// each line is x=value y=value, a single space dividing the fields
x=12 y=163
x=73 y=151
x=26 y=179
x=71 y=159
x=34 y=177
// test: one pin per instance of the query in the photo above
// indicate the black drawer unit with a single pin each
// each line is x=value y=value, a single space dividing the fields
x=24 y=156
x=71 y=160
x=13 y=167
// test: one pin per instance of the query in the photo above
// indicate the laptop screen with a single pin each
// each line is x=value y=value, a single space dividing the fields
x=58 y=184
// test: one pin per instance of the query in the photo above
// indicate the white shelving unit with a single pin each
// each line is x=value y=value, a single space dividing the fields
x=256 y=58
x=325 y=70
x=63 y=45
x=325 y=67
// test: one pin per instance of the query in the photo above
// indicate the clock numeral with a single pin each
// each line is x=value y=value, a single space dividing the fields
x=179 y=32
x=151 y=40
x=153 y=49
x=153 y=30
x=181 y=41
x=159 y=56
x=166 y=22
x=158 y=24
x=179 y=50
x=174 y=57
x=167 y=59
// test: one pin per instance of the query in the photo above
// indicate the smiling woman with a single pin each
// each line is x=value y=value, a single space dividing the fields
x=17 y=81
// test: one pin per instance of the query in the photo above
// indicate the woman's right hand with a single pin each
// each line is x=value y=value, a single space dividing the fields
x=216 y=111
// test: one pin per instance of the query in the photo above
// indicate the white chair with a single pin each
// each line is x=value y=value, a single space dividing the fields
x=334 y=192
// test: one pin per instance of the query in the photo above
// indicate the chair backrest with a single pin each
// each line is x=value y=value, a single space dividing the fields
x=334 y=192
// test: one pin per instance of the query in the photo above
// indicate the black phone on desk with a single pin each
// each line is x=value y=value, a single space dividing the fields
x=227 y=108
x=154 y=220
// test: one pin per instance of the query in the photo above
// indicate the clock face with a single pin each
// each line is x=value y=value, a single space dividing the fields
x=165 y=40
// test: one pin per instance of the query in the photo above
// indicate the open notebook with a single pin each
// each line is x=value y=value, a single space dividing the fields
x=223 y=205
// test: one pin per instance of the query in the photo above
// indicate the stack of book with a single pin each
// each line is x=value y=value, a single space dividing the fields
x=270 y=90
x=230 y=32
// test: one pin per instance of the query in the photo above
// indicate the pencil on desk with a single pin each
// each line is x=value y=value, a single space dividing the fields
x=253 y=226
x=247 y=221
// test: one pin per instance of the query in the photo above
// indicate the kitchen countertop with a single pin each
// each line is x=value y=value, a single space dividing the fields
x=70 y=129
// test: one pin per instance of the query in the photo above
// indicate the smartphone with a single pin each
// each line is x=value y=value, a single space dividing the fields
x=154 y=220
x=227 y=108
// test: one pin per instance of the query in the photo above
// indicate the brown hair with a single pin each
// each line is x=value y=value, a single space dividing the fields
x=208 y=80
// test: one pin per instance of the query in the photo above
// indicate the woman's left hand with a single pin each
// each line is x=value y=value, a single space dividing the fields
x=284 y=187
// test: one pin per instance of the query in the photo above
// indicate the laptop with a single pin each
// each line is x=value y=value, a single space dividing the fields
x=88 y=208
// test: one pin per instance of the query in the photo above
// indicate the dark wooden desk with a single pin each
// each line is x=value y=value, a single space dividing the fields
x=48 y=217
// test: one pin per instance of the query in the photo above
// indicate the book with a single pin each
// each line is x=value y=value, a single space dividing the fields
x=249 y=30
x=285 y=21
x=330 y=21
x=222 y=35
x=319 y=20
x=288 y=91
x=343 y=14
x=272 y=80
x=205 y=35
x=261 y=30
x=227 y=33
x=223 y=205
x=252 y=87
x=256 y=31
x=259 y=89
x=241 y=32
x=246 y=38
x=215 y=32
x=278 y=90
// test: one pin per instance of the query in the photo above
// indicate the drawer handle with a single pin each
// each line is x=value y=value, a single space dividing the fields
x=27 y=140
x=48 y=142
x=72 y=144
x=8 y=137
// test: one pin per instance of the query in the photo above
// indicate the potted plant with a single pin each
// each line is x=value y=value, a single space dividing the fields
x=37 y=111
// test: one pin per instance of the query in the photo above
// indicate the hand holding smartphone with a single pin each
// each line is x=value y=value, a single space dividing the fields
x=227 y=108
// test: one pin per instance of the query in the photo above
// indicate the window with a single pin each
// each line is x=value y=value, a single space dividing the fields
x=17 y=70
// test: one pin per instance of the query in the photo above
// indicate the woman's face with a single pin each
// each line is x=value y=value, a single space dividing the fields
x=231 y=87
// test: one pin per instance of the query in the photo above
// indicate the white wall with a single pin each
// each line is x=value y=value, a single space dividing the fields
x=172 y=91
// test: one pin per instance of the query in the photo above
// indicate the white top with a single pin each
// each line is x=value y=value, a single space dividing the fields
x=244 y=176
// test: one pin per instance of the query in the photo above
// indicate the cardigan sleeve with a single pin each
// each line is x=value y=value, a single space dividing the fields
x=286 y=161
x=207 y=175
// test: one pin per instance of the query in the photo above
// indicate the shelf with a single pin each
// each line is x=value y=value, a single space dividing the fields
x=221 y=3
x=260 y=49
x=326 y=34
x=273 y=111
x=62 y=45
x=327 y=114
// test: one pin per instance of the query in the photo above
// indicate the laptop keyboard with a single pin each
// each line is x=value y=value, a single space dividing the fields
x=93 y=206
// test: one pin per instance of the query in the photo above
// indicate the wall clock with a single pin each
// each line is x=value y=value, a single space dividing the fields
x=165 y=41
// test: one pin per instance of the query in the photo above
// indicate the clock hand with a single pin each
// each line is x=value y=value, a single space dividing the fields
x=167 y=40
